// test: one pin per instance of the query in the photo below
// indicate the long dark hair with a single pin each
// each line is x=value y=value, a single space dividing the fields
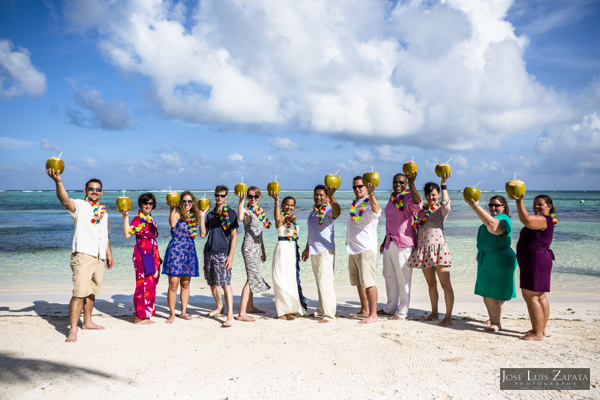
x=502 y=201
x=181 y=209
x=548 y=201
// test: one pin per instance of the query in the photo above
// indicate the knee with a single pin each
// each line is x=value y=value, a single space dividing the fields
x=173 y=286
x=446 y=286
x=432 y=285
x=185 y=285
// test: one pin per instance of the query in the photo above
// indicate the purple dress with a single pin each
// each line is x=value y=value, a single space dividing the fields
x=535 y=258
x=180 y=257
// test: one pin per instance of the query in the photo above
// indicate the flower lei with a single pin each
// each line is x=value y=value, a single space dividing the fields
x=553 y=216
x=320 y=211
x=99 y=211
x=192 y=225
x=360 y=211
x=144 y=221
x=398 y=199
x=422 y=216
x=289 y=220
x=259 y=212
x=224 y=216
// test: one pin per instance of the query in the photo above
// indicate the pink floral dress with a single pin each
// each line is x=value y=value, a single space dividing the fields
x=145 y=285
x=431 y=248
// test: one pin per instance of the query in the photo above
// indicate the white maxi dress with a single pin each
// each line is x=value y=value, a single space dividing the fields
x=285 y=285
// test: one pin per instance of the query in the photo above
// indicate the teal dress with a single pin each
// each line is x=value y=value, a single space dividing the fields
x=496 y=263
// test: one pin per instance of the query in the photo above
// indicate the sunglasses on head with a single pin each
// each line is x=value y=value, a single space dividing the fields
x=490 y=205
x=187 y=201
x=399 y=182
x=148 y=203
x=220 y=195
x=358 y=187
x=91 y=189
x=250 y=196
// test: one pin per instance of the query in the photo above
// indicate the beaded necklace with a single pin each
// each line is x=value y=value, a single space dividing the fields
x=360 y=211
x=423 y=215
x=290 y=234
x=192 y=225
x=145 y=220
x=259 y=212
x=398 y=199
x=553 y=216
x=99 y=210
x=224 y=216
x=320 y=211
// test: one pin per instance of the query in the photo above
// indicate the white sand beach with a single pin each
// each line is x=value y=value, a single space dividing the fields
x=274 y=359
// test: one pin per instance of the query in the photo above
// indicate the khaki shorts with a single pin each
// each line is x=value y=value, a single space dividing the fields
x=87 y=274
x=361 y=268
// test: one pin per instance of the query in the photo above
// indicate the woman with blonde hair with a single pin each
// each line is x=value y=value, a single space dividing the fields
x=181 y=260
x=253 y=250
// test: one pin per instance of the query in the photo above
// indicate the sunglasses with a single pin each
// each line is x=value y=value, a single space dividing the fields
x=148 y=203
x=187 y=201
x=91 y=189
x=253 y=196
x=490 y=205
x=220 y=195
x=399 y=182
x=358 y=187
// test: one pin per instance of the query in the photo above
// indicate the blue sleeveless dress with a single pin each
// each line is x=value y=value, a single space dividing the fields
x=181 y=258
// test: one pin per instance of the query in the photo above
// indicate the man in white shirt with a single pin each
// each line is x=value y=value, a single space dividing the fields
x=361 y=246
x=320 y=245
x=90 y=250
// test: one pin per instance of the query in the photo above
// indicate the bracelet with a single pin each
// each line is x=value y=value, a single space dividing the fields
x=276 y=204
x=444 y=187
x=371 y=194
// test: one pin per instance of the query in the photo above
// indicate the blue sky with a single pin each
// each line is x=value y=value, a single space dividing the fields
x=150 y=94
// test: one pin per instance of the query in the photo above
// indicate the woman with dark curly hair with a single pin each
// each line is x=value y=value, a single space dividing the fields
x=496 y=260
x=432 y=254
x=146 y=259
x=535 y=261
x=181 y=260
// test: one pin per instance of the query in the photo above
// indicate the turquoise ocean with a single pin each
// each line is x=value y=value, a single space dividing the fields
x=36 y=234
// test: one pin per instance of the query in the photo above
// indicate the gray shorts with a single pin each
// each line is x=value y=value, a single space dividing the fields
x=215 y=272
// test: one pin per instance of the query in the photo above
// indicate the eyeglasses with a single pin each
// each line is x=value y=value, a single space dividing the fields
x=91 y=189
x=148 y=203
x=250 y=197
x=358 y=187
x=399 y=182
x=490 y=205
x=187 y=201
x=220 y=195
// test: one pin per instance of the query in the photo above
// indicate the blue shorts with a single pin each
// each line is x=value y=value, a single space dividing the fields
x=214 y=270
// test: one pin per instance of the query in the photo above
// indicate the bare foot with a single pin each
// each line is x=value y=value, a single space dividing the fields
x=493 y=328
x=395 y=318
x=290 y=317
x=324 y=321
x=381 y=312
x=255 y=311
x=228 y=323
x=311 y=315
x=445 y=322
x=215 y=312
x=531 y=336
x=284 y=316
x=91 y=326
x=486 y=322
x=145 y=321
x=360 y=315
x=531 y=331
x=245 y=318
x=171 y=319
x=369 y=320
x=72 y=338
x=186 y=317
x=431 y=317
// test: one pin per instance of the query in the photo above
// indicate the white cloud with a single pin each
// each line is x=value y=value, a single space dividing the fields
x=236 y=158
x=453 y=71
x=108 y=116
x=7 y=143
x=52 y=146
x=17 y=75
x=284 y=143
x=386 y=153
x=171 y=160
x=364 y=157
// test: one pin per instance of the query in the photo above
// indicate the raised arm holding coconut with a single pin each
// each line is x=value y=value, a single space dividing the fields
x=285 y=259
x=253 y=250
x=90 y=250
